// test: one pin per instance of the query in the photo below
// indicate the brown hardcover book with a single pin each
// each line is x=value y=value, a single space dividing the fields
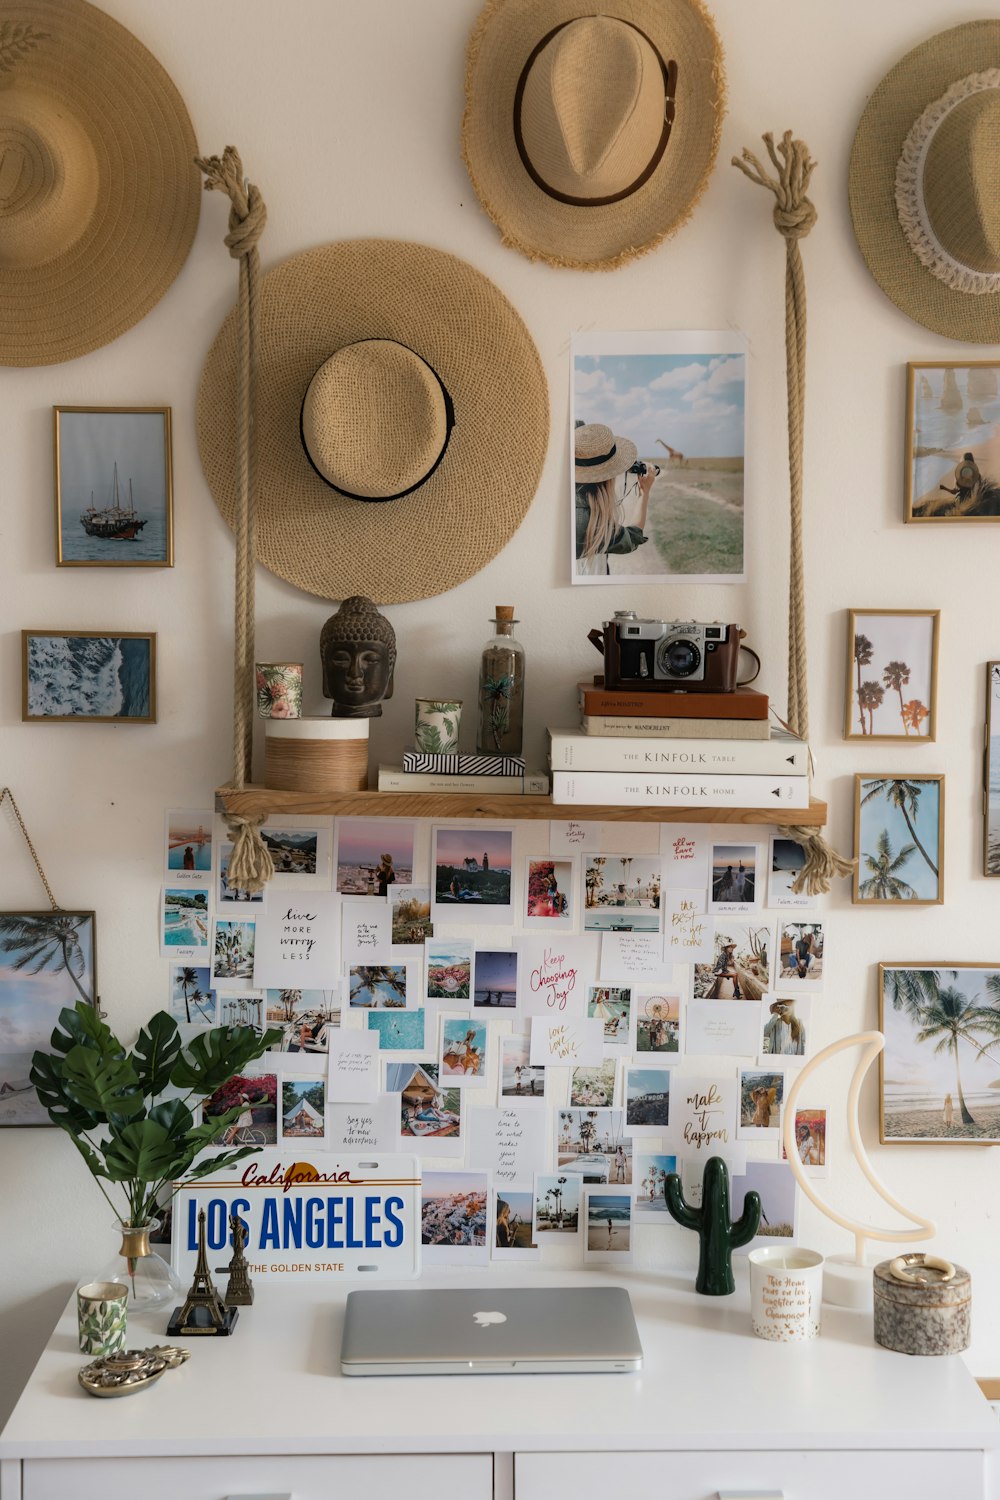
x=742 y=703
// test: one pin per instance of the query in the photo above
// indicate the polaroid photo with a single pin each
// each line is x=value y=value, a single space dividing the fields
x=800 y=957
x=411 y=914
x=454 y=1218
x=511 y=1143
x=401 y=1031
x=593 y=1143
x=513 y=1235
x=448 y=970
x=723 y=1028
x=231 y=898
x=785 y=861
x=191 y=995
x=393 y=986
x=554 y=974
x=463 y=1054
x=306 y=1018
x=496 y=979
x=430 y=1116
x=303 y=1109
x=301 y=851
x=607 y=1216
x=774 y=1182
x=187 y=845
x=652 y=1168
x=684 y=851
x=185 y=931
x=647 y=1101
x=786 y=1030
x=256 y=1096
x=558 y=1198
x=550 y=895
x=657 y=1020
x=472 y=874
x=241 y=1008
x=594 y=1088
x=810 y=1142
x=761 y=1095
x=233 y=941
x=740 y=965
x=612 y=1005
x=734 y=876
x=622 y=893
x=373 y=855
x=518 y=1079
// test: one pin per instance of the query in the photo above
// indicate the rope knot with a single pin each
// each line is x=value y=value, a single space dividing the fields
x=247 y=214
x=795 y=222
x=246 y=229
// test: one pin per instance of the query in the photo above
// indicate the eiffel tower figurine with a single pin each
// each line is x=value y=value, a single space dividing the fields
x=204 y=1310
x=239 y=1291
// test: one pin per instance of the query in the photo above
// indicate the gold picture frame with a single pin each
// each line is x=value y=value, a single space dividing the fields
x=991 y=764
x=98 y=452
x=937 y=1001
x=886 y=651
x=903 y=823
x=47 y=671
x=946 y=419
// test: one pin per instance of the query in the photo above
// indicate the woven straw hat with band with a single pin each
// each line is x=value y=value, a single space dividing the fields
x=590 y=138
x=387 y=372
x=600 y=454
x=924 y=185
x=99 y=193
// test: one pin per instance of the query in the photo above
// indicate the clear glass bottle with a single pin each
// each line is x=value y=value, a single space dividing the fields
x=500 y=730
x=150 y=1279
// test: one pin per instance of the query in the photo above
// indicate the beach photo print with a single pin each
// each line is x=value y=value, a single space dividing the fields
x=607 y=1224
x=557 y=1204
x=518 y=1078
x=891 y=689
x=190 y=995
x=184 y=925
x=734 y=871
x=621 y=893
x=472 y=874
x=899 y=840
x=97 y=675
x=657 y=444
x=652 y=1168
x=496 y=979
x=306 y=1018
x=114 y=498
x=953 y=441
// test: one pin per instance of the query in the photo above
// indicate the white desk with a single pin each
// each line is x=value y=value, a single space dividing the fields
x=714 y=1410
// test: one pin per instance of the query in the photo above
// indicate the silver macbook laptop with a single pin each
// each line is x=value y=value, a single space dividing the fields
x=483 y=1331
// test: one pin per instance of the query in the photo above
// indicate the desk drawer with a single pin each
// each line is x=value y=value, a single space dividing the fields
x=304 y=1477
x=815 y=1475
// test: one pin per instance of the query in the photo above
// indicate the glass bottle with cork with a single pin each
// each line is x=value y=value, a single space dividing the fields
x=501 y=689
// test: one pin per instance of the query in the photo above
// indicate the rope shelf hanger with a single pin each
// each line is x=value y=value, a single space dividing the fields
x=794 y=217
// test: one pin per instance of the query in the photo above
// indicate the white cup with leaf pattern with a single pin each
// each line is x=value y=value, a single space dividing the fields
x=436 y=724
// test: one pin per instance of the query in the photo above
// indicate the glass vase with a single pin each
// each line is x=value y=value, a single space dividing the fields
x=148 y=1277
x=500 y=730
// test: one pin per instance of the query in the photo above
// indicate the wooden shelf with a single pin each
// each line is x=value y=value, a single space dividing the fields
x=256 y=800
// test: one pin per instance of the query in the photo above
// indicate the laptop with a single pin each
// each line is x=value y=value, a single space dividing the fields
x=487 y=1331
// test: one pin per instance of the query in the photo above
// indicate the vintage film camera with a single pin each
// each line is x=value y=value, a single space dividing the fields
x=672 y=657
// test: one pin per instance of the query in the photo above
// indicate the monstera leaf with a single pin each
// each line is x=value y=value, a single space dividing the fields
x=47 y=1076
x=156 y=1050
x=102 y=1082
x=81 y=1026
x=141 y=1152
x=212 y=1057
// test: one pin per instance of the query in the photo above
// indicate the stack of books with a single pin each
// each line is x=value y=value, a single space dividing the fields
x=638 y=746
x=451 y=772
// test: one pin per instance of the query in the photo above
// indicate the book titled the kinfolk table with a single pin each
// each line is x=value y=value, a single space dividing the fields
x=782 y=754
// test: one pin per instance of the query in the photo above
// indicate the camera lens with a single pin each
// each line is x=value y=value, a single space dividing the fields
x=679 y=658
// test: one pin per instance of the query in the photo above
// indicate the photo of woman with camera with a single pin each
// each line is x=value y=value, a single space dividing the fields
x=607 y=473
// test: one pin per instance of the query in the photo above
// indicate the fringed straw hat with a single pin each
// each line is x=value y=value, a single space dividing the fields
x=924 y=185
x=590 y=138
x=99 y=193
x=402 y=420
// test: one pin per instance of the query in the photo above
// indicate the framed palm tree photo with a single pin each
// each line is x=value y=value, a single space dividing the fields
x=891 y=691
x=938 y=1071
x=898 y=840
x=47 y=962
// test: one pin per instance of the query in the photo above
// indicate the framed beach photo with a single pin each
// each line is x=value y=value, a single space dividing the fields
x=991 y=777
x=953 y=441
x=113 y=487
x=891 y=690
x=938 y=1071
x=898 y=840
x=95 y=675
x=47 y=961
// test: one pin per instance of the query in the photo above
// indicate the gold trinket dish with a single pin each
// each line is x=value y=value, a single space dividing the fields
x=130 y=1370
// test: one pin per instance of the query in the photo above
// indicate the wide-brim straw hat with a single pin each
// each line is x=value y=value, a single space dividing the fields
x=924 y=186
x=402 y=420
x=590 y=138
x=99 y=193
x=599 y=453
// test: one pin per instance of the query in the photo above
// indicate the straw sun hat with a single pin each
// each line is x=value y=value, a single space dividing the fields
x=99 y=194
x=590 y=138
x=600 y=454
x=402 y=420
x=924 y=189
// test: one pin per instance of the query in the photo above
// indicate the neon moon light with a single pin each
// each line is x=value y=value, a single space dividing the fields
x=847 y=1282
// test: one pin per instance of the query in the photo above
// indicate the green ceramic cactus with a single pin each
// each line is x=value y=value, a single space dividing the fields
x=718 y=1235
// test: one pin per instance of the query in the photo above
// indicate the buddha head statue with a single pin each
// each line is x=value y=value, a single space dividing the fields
x=358 y=648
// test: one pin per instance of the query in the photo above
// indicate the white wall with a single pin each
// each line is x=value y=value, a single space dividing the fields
x=347 y=116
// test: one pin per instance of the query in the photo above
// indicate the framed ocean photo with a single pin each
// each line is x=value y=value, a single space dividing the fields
x=991 y=777
x=98 y=675
x=47 y=962
x=953 y=441
x=939 y=1072
x=113 y=487
x=898 y=840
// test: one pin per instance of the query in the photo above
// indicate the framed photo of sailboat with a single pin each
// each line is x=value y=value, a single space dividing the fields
x=113 y=487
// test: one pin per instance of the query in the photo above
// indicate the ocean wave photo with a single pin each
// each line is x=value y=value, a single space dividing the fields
x=88 y=676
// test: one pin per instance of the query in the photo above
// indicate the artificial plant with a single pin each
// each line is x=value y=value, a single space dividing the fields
x=109 y=1101
x=718 y=1235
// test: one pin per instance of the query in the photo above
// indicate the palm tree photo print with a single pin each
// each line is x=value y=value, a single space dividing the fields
x=899 y=839
x=46 y=963
x=892 y=675
x=940 y=1068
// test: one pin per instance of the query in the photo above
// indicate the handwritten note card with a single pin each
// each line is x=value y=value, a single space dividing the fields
x=554 y=973
x=635 y=956
x=571 y=1041
x=354 y=1061
x=367 y=931
x=687 y=931
x=729 y=1027
x=296 y=945
x=511 y=1143
x=703 y=1116
x=684 y=851
x=566 y=838
x=364 y=1127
